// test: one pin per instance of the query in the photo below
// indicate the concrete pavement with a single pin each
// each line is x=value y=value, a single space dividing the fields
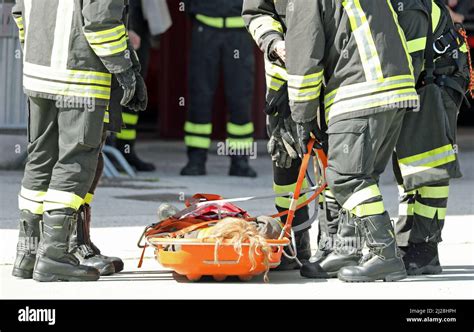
x=123 y=208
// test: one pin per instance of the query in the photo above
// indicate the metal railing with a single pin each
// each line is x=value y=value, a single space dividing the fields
x=13 y=113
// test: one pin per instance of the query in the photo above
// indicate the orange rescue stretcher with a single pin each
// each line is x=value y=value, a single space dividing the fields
x=195 y=258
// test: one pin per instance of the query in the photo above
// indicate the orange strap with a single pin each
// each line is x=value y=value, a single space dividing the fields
x=463 y=33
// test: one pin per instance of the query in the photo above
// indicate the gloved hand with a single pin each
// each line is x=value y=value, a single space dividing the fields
x=303 y=134
x=281 y=146
x=140 y=99
x=128 y=82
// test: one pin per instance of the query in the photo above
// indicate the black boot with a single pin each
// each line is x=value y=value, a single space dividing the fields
x=127 y=148
x=28 y=241
x=54 y=262
x=116 y=261
x=79 y=246
x=240 y=167
x=196 y=165
x=303 y=253
x=422 y=258
x=383 y=261
x=347 y=251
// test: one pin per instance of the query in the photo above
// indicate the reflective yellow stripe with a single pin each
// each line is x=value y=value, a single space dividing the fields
x=197 y=142
x=88 y=199
x=416 y=45
x=240 y=143
x=328 y=193
x=240 y=130
x=31 y=206
x=284 y=189
x=368 y=209
x=463 y=48
x=422 y=157
x=69 y=76
x=106 y=35
x=221 y=22
x=263 y=25
x=21 y=27
x=196 y=128
x=410 y=170
x=127 y=134
x=402 y=37
x=435 y=16
x=130 y=119
x=434 y=192
x=276 y=71
x=365 y=41
x=429 y=211
x=285 y=202
x=306 y=87
x=274 y=83
x=354 y=90
x=64 y=199
x=106 y=117
x=32 y=195
x=361 y=196
x=406 y=209
x=397 y=98
x=65 y=89
x=110 y=48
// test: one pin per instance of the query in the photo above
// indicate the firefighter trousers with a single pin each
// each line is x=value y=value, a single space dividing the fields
x=421 y=212
x=359 y=150
x=63 y=150
x=233 y=50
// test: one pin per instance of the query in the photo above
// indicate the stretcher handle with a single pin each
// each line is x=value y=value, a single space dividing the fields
x=299 y=185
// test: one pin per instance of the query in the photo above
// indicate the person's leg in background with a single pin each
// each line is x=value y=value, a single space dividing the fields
x=285 y=180
x=359 y=150
x=203 y=80
x=71 y=179
x=406 y=206
x=81 y=244
x=239 y=76
x=42 y=156
x=126 y=137
x=429 y=213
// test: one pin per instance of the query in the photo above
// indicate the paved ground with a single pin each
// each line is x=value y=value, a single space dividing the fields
x=123 y=208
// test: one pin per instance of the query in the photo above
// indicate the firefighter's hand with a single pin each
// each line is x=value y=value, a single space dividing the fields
x=135 y=39
x=280 y=50
x=304 y=131
x=140 y=99
x=128 y=82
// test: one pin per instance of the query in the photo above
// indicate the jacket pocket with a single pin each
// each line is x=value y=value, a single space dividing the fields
x=348 y=148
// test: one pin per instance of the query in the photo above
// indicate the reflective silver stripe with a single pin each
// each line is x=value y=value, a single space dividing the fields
x=65 y=89
x=262 y=25
x=354 y=90
x=430 y=159
x=72 y=76
x=392 y=98
x=62 y=34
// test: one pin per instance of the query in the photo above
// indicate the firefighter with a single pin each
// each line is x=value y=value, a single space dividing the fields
x=219 y=37
x=369 y=86
x=426 y=152
x=265 y=20
x=68 y=67
x=148 y=36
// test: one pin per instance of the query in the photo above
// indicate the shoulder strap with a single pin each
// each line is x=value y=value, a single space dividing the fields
x=429 y=53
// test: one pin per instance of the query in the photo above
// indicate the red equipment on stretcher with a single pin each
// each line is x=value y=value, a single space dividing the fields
x=195 y=258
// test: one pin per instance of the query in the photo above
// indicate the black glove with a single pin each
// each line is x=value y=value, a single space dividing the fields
x=128 y=82
x=140 y=99
x=281 y=146
x=304 y=131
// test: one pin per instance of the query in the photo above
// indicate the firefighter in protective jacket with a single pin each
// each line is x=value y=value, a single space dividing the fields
x=68 y=67
x=358 y=49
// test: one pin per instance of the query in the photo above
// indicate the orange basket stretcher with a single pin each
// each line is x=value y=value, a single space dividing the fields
x=195 y=258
